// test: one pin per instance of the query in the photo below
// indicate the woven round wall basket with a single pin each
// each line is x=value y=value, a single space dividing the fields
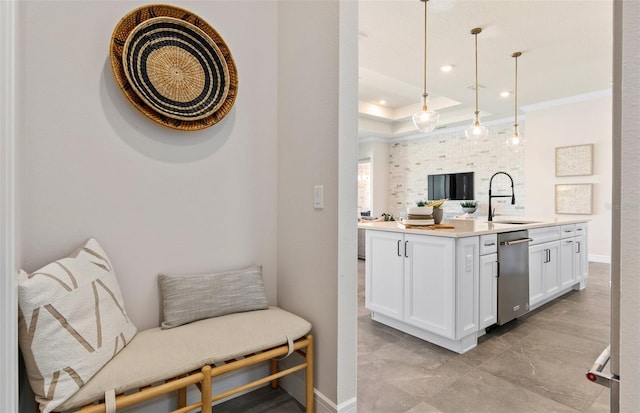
x=174 y=67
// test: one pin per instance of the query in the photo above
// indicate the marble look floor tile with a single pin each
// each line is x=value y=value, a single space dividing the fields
x=423 y=407
x=516 y=330
x=377 y=396
x=576 y=325
x=480 y=391
x=393 y=361
x=428 y=382
x=372 y=337
x=551 y=369
x=601 y=404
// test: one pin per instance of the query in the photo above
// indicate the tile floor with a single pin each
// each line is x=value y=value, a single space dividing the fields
x=533 y=364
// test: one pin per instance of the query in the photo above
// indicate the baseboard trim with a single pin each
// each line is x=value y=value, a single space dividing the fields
x=605 y=259
x=294 y=384
x=350 y=406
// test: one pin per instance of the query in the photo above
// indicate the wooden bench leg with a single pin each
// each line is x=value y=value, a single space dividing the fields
x=182 y=397
x=206 y=390
x=274 y=370
x=309 y=376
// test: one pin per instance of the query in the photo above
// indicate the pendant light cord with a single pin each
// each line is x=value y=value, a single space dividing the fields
x=475 y=35
x=476 y=46
x=515 y=100
x=424 y=92
x=515 y=105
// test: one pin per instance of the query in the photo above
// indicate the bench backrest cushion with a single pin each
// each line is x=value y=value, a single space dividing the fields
x=71 y=322
x=187 y=298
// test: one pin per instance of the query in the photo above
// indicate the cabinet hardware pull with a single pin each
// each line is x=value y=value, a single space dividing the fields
x=578 y=247
x=399 y=241
x=568 y=241
x=578 y=229
x=489 y=244
x=405 y=249
x=568 y=230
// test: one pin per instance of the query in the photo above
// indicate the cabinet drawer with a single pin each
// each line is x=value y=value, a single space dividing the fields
x=488 y=244
x=568 y=230
x=581 y=228
x=546 y=234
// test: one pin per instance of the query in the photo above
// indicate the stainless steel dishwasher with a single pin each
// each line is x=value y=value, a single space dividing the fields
x=513 y=275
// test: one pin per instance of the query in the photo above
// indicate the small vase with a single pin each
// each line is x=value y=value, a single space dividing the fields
x=437 y=215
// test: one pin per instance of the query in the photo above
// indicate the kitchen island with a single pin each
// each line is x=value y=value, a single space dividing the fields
x=440 y=285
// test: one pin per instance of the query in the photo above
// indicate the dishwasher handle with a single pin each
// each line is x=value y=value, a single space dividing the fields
x=516 y=241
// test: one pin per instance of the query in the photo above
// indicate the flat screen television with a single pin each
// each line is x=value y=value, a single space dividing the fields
x=454 y=186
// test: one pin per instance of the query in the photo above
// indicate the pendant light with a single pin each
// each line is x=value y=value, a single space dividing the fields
x=516 y=142
x=425 y=120
x=476 y=132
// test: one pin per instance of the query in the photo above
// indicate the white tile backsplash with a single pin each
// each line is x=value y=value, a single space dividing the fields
x=411 y=160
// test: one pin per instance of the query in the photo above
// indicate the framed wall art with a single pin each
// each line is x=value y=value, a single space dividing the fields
x=574 y=160
x=574 y=199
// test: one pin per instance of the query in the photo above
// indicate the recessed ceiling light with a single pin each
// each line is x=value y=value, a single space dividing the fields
x=504 y=94
x=446 y=68
x=382 y=102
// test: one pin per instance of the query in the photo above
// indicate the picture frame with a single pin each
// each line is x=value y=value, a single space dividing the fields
x=575 y=199
x=576 y=160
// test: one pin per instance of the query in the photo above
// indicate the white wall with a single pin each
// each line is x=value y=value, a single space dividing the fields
x=8 y=299
x=378 y=152
x=317 y=247
x=580 y=122
x=160 y=200
x=627 y=234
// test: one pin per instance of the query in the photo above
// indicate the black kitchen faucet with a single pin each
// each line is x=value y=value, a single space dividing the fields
x=513 y=196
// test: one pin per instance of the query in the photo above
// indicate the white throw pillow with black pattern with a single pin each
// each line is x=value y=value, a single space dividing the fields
x=71 y=321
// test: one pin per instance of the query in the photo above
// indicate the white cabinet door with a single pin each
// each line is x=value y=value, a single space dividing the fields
x=384 y=273
x=537 y=260
x=488 y=290
x=429 y=301
x=567 y=262
x=581 y=263
x=544 y=271
x=551 y=271
x=466 y=298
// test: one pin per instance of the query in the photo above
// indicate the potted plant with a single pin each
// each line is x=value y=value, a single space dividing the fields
x=469 y=206
x=438 y=212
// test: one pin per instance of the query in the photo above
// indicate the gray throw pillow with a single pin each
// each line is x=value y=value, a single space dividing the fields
x=187 y=298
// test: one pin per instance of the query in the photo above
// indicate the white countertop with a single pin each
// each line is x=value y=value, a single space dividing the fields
x=467 y=227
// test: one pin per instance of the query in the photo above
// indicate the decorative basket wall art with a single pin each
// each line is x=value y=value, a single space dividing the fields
x=174 y=67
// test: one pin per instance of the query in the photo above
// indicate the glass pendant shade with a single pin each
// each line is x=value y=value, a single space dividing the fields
x=476 y=132
x=516 y=142
x=426 y=120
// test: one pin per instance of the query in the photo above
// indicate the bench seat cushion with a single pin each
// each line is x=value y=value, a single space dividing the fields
x=155 y=354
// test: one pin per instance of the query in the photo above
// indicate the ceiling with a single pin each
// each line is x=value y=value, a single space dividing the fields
x=566 y=50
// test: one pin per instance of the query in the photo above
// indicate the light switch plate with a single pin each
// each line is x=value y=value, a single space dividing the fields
x=318 y=197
